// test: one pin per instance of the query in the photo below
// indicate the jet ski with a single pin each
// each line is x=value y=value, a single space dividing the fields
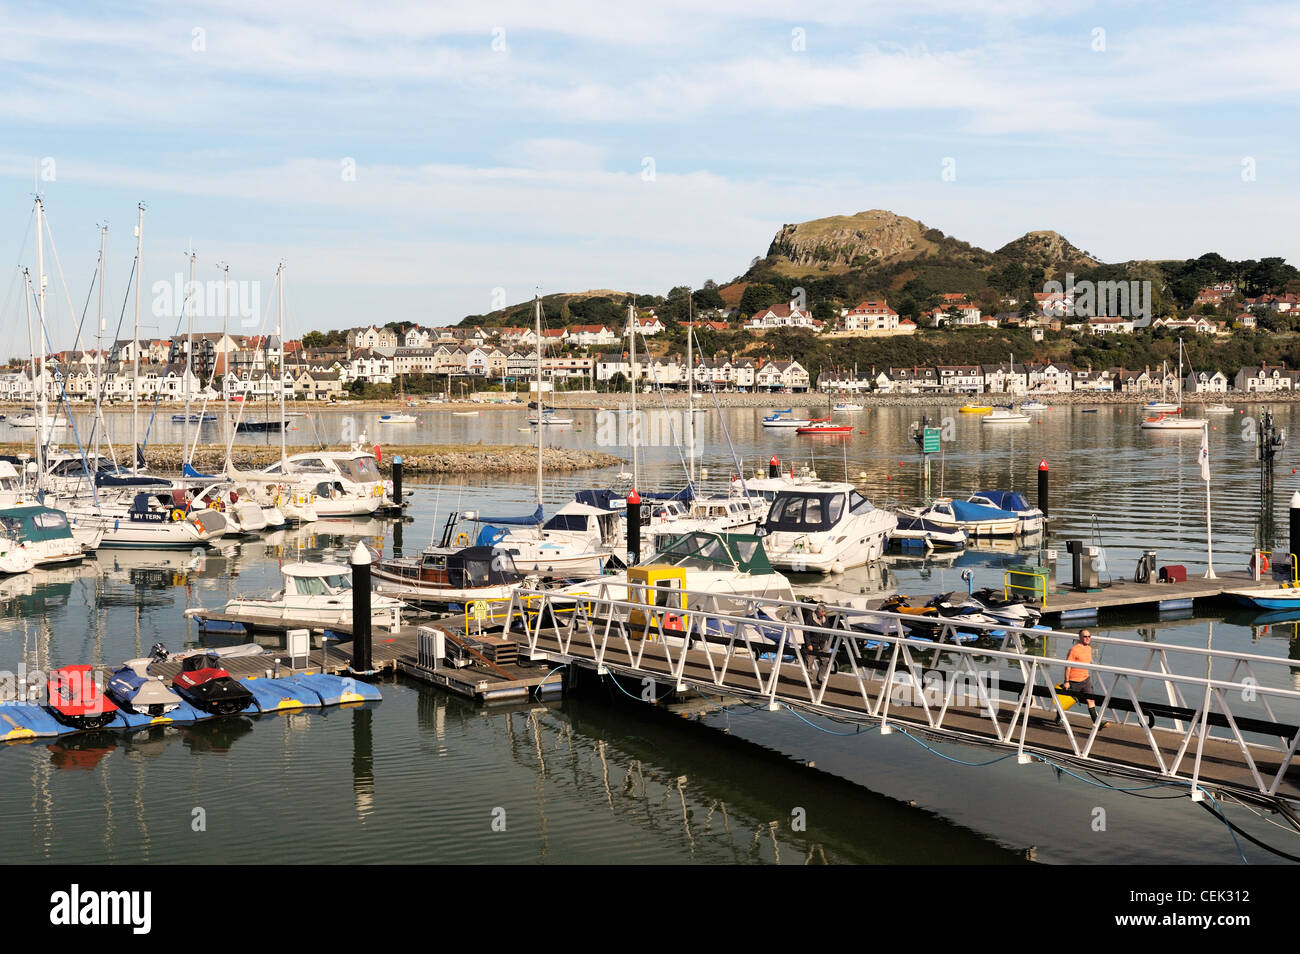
x=132 y=688
x=207 y=686
x=987 y=606
x=75 y=698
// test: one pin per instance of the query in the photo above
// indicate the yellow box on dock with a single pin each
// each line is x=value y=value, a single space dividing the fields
x=662 y=590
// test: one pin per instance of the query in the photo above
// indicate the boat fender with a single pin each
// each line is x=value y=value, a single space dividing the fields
x=198 y=525
x=1263 y=564
x=178 y=516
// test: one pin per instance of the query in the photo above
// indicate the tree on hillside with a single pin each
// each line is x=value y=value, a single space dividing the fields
x=708 y=297
x=757 y=297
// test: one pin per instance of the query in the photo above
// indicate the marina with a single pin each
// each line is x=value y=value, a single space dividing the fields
x=485 y=672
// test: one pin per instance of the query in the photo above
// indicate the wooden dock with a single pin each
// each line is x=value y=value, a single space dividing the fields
x=1066 y=606
x=492 y=677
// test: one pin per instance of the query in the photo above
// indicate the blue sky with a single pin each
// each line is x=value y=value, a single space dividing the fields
x=504 y=145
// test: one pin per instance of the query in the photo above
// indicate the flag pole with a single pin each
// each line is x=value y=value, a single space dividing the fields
x=1205 y=475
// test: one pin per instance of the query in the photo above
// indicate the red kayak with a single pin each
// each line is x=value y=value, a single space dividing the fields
x=825 y=429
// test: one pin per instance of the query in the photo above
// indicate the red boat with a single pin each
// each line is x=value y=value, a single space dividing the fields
x=818 y=427
x=75 y=698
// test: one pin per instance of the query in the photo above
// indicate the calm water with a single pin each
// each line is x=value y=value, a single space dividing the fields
x=421 y=776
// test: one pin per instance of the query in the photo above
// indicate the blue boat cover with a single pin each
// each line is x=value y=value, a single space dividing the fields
x=1007 y=499
x=335 y=690
x=965 y=510
x=534 y=518
x=489 y=536
x=272 y=695
x=188 y=471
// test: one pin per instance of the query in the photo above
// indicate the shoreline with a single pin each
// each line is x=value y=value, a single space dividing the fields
x=705 y=399
x=416 y=458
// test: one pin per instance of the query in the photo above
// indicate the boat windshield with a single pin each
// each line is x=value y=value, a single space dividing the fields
x=339 y=582
x=805 y=513
x=697 y=551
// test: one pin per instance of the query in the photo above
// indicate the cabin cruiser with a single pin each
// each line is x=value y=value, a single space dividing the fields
x=43 y=532
x=319 y=592
x=730 y=514
x=718 y=570
x=345 y=483
x=825 y=527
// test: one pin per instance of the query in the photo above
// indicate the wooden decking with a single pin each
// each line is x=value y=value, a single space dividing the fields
x=1064 y=606
x=390 y=651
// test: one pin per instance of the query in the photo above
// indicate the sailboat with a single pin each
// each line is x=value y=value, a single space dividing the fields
x=575 y=542
x=1162 y=406
x=1174 y=422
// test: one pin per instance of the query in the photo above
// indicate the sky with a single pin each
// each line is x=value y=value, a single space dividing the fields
x=423 y=162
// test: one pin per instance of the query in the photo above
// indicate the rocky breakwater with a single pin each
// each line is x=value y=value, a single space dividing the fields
x=416 y=458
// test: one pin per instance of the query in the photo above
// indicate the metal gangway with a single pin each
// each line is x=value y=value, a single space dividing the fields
x=1199 y=718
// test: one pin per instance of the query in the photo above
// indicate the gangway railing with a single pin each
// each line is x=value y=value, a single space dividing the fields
x=965 y=680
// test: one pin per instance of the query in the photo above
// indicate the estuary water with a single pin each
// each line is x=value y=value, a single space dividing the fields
x=426 y=777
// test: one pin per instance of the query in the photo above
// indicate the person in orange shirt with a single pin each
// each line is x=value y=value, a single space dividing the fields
x=1078 y=682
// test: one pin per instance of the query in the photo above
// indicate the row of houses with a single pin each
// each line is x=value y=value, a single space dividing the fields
x=1008 y=378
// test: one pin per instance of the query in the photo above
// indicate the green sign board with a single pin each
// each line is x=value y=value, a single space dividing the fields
x=930 y=440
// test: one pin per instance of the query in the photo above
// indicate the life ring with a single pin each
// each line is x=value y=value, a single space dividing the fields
x=462 y=539
x=178 y=515
x=1263 y=563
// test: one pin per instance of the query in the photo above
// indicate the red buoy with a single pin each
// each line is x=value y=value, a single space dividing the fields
x=633 y=497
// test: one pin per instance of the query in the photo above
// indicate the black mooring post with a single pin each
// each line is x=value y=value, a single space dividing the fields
x=361 y=609
x=397 y=480
x=1295 y=526
x=633 y=528
x=1042 y=485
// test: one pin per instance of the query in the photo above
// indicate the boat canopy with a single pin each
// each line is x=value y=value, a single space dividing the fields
x=1011 y=500
x=481 y=566
x=35 y=524
x=965 y=510
x=701 y=550
x=188 y=471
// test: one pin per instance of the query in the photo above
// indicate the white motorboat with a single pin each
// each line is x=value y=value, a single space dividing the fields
x=780 y=420
x=397 y=419
x=824 y=528
x=1006 y=416
x=345 y=483
x=1031 y=518
x=1035 y=405
x=43 y=533
x=848 y=406
x=316 y=592
x=1172 y=422
x=1219 y=409
x=1160 y=407
x=978 y=520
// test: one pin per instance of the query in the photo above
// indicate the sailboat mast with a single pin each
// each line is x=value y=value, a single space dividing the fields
x=690 y=394
x=225 y=354
x=99 y=339
x=636 y=423
x=135 y=345
x=189 y=345
x=27 y=301
x=541 y=405
x=43 y=429
x=279 y=371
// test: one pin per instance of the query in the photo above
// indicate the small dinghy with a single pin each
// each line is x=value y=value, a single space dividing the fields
x=205 y=685
x=915 y=531
x=134 y=690
x=1286 y=596
x=74 y=698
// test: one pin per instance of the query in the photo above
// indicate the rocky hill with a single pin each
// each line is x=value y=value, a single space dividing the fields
x=867 y=239
x=1046 y=249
